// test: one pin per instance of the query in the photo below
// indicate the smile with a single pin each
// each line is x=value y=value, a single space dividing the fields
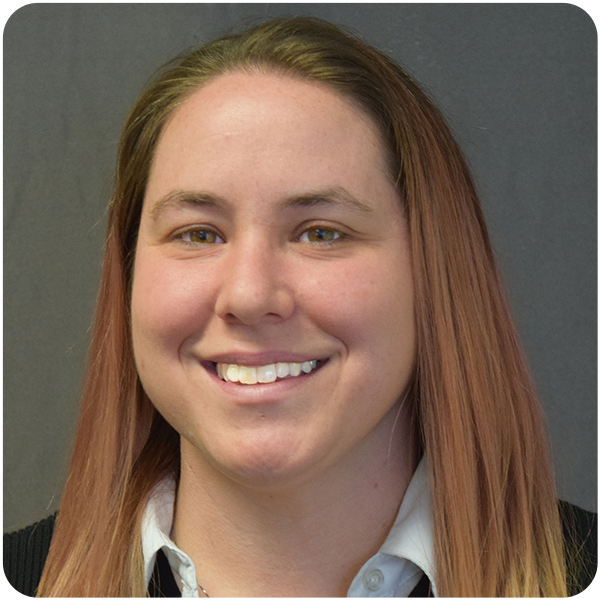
x=265 y=373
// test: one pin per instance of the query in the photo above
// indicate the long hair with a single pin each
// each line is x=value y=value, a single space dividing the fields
x=496 y=523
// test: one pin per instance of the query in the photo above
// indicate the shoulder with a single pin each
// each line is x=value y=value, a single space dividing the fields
x=25 y=550
x=580 y=530
x=25 y=554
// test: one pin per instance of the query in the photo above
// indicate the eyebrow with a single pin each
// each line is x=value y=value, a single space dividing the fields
x=329 y=196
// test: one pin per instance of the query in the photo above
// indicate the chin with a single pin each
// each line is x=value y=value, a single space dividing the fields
x=265 y=460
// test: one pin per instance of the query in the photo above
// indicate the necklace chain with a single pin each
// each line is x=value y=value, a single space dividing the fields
x=202 y=589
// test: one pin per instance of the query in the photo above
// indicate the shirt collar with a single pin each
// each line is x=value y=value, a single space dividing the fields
x=411 y=536
x=156 y=535
x=407 y=551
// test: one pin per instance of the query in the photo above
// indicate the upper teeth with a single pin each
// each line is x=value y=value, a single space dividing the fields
x=265 y=373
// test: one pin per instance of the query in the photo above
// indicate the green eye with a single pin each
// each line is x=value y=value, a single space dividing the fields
x=201 y=236
x=320 y=234
x=313 y=235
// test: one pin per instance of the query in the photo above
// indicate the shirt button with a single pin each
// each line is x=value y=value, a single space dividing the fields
x=373 y=579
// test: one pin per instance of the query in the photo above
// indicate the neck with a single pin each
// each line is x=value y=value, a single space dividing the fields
x=300 y=539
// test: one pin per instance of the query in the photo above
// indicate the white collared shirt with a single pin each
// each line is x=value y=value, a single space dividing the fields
x=394 y=571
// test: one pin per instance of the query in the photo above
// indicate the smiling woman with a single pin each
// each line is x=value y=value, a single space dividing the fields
x=275 y=274
x=304 y=379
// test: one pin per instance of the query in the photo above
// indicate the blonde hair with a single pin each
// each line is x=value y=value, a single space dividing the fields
x=496 y=522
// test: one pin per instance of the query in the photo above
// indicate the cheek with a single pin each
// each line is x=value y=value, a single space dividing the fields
x=168 y=304
x=366 y=304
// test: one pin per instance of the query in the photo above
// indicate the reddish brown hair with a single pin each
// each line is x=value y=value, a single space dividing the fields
x=497 y=529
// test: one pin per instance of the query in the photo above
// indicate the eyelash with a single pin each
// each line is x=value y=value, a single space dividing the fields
x=338 y=235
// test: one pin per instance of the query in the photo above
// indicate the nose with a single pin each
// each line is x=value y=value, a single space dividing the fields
x=254 y=288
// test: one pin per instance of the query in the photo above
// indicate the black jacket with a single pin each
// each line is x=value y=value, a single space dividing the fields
x=25 y=553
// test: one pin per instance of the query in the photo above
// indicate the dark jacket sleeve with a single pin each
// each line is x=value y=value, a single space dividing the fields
x=25 y=551
x=581 y=546
x=25 y=554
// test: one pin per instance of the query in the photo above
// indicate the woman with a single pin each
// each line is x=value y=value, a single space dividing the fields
x=302 y=354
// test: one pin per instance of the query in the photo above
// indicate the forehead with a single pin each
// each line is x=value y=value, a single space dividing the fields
x=260 y=105
x=265 y=133
x=271 y=91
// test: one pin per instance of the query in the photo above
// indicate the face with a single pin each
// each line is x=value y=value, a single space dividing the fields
x=272 y=304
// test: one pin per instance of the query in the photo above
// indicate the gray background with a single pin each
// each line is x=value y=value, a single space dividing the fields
x=517 y=82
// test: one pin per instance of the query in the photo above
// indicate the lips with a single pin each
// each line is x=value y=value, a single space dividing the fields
x=259 y=392
x=258 y=359
x=259 y=369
